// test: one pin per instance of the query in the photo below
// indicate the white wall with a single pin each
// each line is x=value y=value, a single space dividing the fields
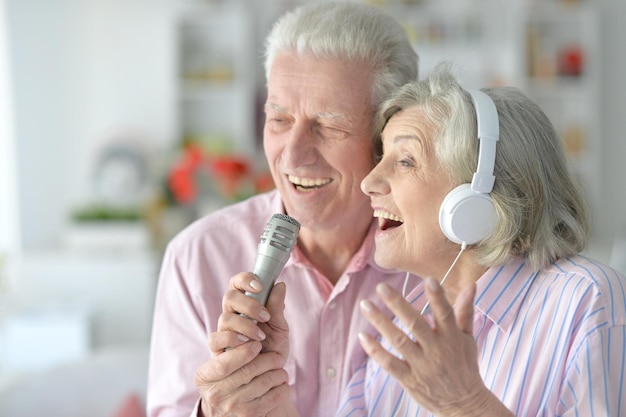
x=9 y=235
x=84 y=72
x=612 y=219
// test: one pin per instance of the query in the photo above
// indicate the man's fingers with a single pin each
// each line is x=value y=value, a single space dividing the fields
x=243 y=325
x=220 y=379
x=235 y=300
x=264 y=373
x=238 y=303
x=227 y=363
x=219 y=341
x=245 y=281
x=257 y=398
x=276 y=305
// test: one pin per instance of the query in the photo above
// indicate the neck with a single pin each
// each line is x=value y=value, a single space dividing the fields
x=466 y=270
x=331 y=249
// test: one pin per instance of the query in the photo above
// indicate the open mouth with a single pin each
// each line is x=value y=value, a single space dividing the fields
x=387 y=220
x=308 y=184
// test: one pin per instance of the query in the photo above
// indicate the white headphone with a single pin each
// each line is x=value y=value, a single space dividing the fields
x=467 y=214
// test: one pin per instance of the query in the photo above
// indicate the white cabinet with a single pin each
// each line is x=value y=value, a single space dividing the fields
x=562 y=73
x=216 y=76
x=475 y=36
x=115 y=288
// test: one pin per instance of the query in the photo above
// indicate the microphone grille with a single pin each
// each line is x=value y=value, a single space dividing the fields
x=281 y=232
x=287 y=219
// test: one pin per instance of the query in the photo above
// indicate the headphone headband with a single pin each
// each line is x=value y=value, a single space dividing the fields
x=467 y=214
x=488 y=135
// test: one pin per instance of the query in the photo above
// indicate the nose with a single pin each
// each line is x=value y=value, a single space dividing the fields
x=374 y=183
x=300 y=146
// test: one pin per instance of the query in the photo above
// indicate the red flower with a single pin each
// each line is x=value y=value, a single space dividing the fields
x=180 y=182
x=231 y=175
x=181 y=179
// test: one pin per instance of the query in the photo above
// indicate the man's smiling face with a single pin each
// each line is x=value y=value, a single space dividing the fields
x=318 y=137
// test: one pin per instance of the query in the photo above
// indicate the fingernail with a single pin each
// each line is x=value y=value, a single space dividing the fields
x=264 y=315
x=256 y=285
x=242 y=338
x=261 y=335
x=384 y=289
x=432 y=284
x=366 y=305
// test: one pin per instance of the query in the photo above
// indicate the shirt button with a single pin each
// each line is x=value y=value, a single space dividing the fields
x=331 y=373
x=332 y=305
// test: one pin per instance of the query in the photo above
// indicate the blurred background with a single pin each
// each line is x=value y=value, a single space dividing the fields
x=123 y=121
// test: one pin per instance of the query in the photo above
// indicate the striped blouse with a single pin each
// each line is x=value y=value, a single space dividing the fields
x=550 y=343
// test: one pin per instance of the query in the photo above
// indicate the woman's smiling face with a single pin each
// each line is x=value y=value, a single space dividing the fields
x=406 y=189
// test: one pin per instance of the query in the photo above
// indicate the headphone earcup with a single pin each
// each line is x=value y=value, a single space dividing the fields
x=466 y=216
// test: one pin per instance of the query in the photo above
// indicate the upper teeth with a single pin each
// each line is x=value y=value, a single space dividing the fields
x=308 y=182
x=386 y=215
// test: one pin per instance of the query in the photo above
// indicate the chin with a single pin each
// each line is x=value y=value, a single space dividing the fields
x=386 y=261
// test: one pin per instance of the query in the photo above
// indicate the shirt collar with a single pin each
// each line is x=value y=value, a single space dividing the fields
x=499 y=292
x=501 y=289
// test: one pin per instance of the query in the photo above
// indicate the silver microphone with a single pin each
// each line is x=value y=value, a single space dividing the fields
x=275 y=246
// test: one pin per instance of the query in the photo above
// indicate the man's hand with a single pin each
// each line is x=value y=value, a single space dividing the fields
x=245 y=377
x=242 y=382
x=244 y=318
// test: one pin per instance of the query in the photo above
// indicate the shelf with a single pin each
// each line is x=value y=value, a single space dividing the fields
x=216 y=82
x=549 y=49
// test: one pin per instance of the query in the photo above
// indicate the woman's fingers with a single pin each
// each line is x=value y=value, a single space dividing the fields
x=390 y=363
x=414 y=323
x=443 y=312
x=397 y=338
x=464 y=309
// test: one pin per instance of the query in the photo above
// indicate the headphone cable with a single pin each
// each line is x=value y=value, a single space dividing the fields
x=463 y=247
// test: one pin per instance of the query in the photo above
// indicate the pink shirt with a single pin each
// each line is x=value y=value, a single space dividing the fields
x=324 y=319
x=550 y=343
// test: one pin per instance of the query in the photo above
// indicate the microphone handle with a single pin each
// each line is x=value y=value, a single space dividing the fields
x=277 y=242
x=267 y=270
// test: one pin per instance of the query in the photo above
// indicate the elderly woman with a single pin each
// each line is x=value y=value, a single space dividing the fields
x=511 y=319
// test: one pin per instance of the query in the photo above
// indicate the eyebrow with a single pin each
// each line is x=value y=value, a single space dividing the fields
x=276 y=107
x=331 y=115
x=318 y=115
x=404 y=137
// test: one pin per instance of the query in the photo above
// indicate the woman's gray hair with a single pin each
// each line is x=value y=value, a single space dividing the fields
x=542 y=214
x=348 y=30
